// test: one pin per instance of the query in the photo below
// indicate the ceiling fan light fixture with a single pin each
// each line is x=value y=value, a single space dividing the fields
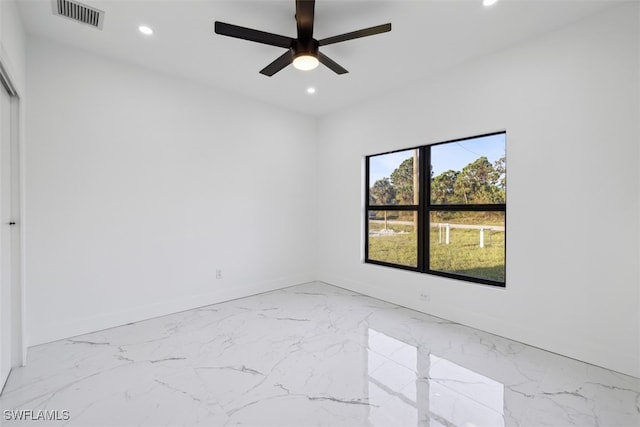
x=305 y=62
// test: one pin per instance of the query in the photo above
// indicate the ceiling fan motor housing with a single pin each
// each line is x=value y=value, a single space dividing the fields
x=305 y=47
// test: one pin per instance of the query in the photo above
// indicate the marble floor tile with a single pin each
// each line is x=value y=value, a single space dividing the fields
x=309 y=355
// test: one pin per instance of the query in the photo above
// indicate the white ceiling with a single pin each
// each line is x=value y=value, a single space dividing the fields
x=428 y=37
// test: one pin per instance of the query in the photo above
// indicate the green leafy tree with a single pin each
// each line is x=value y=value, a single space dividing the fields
x=383 y=193
x=475 y=182
x=500 y=179
x=443 y=188
x=402 y=181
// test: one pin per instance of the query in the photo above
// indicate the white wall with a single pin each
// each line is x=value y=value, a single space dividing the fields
x=12 y=43
x=139 y=186
x=570 y=104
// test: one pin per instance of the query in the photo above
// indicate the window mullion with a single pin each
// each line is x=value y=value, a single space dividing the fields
x=423 y=201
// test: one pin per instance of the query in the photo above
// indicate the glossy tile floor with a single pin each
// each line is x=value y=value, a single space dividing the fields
x=311 y=355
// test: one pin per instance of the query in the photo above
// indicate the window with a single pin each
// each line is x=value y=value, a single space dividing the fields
x=393 y=208
x=440 y=209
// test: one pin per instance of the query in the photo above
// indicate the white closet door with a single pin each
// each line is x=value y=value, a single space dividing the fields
x=5 y=237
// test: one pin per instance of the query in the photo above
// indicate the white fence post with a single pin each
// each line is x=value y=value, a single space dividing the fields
x=482 y=237
x=446 y=234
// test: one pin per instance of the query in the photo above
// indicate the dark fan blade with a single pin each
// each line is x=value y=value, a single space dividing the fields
x=331 y=63
x=252 y=35
x=278 y=64
x=356 y=34
x=304 y=18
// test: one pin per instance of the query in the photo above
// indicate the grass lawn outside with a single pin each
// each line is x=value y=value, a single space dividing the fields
x=398 y=245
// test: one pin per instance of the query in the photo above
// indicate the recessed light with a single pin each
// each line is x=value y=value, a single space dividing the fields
x=489 y=2
x=311 y=90
x=145 y=30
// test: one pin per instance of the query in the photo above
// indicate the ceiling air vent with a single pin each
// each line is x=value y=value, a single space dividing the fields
x=79 y=12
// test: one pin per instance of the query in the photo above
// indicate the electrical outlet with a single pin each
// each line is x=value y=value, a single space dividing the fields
x=218 y=273
x=424 y=297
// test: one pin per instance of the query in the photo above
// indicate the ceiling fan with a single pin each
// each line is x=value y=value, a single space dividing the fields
x=303 y=51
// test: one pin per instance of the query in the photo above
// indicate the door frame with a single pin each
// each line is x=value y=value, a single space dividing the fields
x=18 y=343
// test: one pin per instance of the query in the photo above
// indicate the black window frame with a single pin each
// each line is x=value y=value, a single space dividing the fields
x=424 y=209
